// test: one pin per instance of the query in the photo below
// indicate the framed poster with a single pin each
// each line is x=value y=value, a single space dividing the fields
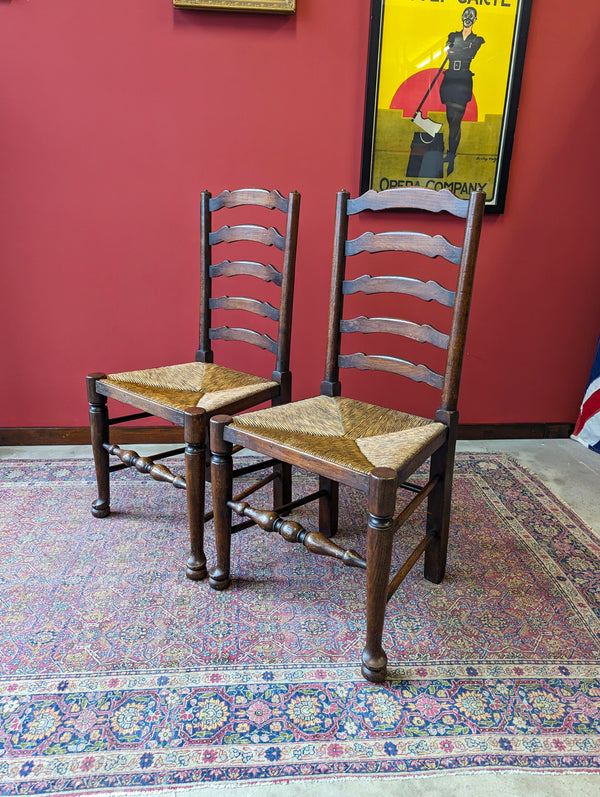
x=443 y=86
x=266 y=6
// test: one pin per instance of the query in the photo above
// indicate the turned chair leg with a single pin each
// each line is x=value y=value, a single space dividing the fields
x=328 y=507
x=222 y=480
x=194 y=430
x=99 y=430
x=381 y=505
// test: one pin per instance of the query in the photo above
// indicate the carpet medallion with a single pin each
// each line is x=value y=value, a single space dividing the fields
x=118 y=673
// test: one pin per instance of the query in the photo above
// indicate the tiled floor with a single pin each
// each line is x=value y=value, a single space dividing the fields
x=572 y=472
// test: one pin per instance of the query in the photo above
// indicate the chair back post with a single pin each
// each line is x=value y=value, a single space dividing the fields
x=205 y=353
x=464 y=290
x=282 y=373
x=331 y=386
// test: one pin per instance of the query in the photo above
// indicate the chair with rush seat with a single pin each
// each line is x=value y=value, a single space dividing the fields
x=368 y=447
x=189 y=394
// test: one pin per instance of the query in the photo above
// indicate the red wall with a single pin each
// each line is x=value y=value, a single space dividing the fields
x=114 y=115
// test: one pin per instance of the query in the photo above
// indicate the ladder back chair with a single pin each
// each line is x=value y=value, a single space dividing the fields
x=372 y=448
x=189 y=394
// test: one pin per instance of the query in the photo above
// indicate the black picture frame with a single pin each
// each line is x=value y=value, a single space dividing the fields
x=396 y=149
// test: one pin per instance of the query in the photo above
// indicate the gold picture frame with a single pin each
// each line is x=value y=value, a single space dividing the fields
x=261 y=6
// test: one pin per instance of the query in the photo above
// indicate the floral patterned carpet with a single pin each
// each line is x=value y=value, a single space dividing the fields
x=116 y=672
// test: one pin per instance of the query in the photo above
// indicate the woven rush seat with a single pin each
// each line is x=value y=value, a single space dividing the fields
x=343 y=431
x=204 y=385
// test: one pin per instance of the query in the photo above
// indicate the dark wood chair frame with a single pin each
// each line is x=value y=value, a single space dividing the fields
x=194 y=420
x=381 y=484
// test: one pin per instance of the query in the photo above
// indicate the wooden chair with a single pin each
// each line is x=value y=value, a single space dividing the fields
x=188 y=394
x=368 y=447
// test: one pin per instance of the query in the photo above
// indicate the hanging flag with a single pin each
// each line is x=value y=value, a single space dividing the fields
x=587 y=428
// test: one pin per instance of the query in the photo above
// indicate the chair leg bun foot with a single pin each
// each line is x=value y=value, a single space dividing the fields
x=374 y=670
x=100 y=509
x=196 y=569
x=218 y=580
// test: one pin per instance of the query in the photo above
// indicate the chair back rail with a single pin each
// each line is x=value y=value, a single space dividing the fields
x=404 y=241
x=464 y=290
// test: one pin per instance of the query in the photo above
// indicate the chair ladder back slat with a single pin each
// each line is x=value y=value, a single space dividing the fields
x=269 y=236
x=422 y=333
x=412 y=198
x=250 y=196
x=250 y=268
x=263 y=309
x=399 y=241
x=464 y=290
x=427 y=291
x=263 y=341
x=380 y=362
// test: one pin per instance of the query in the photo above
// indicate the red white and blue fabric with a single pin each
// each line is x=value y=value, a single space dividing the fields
x=587 y=428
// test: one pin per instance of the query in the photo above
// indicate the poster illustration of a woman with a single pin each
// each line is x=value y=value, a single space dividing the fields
x=456 y=88
x=429 y=121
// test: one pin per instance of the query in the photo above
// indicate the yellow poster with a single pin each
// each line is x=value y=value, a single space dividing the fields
x=443 y=84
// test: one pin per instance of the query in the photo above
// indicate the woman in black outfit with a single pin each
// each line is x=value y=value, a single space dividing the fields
x=456 y=88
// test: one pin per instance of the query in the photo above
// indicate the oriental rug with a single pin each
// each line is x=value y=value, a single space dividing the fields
x=117 y=673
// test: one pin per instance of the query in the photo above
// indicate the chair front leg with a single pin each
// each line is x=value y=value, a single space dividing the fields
x=194 y=430
x=222 y=480
x=381 y=505
x=439 y=504
x=99 y=430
